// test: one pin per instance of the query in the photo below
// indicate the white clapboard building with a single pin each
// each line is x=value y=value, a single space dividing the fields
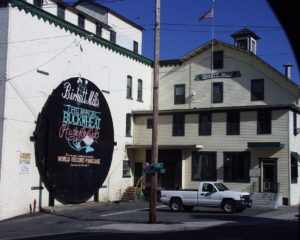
x=234 y=119
x=42 y=44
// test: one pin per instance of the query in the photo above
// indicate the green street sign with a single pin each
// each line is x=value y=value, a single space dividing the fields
x=159 y=165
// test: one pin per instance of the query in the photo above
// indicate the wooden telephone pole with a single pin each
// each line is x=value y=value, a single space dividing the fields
x=154 y=155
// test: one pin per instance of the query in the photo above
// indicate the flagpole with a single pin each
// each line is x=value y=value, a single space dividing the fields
x=212 y=37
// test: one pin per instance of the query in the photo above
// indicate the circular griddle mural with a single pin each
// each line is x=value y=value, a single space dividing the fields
x=74 y=141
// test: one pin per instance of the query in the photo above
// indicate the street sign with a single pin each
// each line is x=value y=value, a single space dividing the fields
x=159 y=165
x=154 y=170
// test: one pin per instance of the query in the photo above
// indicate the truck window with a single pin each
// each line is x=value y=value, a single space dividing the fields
x=221 y=187
x=207 y=187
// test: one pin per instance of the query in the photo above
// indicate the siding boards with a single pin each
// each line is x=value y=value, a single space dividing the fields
x=237 y=91
x=220 y=142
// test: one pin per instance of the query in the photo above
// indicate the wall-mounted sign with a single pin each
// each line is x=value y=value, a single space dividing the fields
x=206 y=76
x=254 y=172
x=24 y=163
x=74 y=141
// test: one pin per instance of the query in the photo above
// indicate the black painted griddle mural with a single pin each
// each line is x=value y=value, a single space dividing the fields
x=74 y=141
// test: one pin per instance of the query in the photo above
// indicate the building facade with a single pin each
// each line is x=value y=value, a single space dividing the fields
x=42 y=44
x=234 y=119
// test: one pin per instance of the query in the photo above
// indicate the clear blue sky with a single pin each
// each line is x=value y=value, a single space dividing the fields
x=181 y=32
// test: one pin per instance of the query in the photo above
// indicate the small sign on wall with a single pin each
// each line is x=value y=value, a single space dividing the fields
x=254 y=172
x=24 y=163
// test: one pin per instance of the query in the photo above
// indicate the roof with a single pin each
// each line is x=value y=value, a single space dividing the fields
x=245 y=32
x=215 y=42
x=52 y=19
x=110 y=11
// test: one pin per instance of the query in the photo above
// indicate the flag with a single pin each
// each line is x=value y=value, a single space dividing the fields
x=208 y=14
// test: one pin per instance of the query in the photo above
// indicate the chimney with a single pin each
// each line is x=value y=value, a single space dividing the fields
x=287 y=70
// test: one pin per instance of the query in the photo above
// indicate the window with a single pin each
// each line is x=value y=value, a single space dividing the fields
x=61 y=11
x=135 y=46
x=38 y=3
x=113 y=36
x=98 y=30
x=264 y=121
x=129 y=87
x=3 y=3
x=218 y=60
x=217 y=92
x=126 y=169
x=208 y=187
x=294 y=169
x=179 y=94
x=149 y=123
x=236 y=166
x=140 y=90
x=253 y=46
x=204 y=124
x=257 y=90
x=178 y=124
x=295 y=124
x=233 y=123
x=81 y=20
x=242 y=43
x=128 y=125
x=204 y=166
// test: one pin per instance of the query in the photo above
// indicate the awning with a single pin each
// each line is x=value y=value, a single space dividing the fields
x=296 y=156
x=192 y=146
x=265 y=144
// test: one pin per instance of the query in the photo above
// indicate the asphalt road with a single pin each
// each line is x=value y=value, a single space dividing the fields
x=130 y=220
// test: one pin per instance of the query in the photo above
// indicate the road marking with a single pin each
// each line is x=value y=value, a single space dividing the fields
x=129 y=211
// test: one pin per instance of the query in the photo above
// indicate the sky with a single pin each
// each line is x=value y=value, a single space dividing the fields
x=181 y=32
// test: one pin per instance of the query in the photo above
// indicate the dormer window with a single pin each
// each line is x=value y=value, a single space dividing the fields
x=81 y=20
x=38 y=3
x=245 y=39
x=61 y=11
x=242 y=43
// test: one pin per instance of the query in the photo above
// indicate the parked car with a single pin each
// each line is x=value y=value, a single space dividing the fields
x=212 y=194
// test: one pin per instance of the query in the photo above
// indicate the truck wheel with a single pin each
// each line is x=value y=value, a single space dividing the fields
x=229 y=206
x=188 y=208
x=176 y=205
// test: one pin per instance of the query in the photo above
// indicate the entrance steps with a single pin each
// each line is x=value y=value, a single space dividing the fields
x=266 y=200
x=130 y=195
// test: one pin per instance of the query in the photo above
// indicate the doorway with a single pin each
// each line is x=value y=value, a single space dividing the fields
x=269 y=175
x=172 y=159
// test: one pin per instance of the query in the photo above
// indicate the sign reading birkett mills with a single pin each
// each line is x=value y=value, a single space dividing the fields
x=74 y=141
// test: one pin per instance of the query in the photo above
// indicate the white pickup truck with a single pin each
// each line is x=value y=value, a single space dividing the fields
x=211 y=194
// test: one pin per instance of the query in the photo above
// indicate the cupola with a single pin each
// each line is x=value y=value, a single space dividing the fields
x=245 y=39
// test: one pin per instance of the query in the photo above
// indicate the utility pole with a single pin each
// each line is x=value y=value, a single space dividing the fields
x=154 y=154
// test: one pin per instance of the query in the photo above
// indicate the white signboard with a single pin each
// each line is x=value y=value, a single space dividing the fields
x=254 y=172
x=24 y=163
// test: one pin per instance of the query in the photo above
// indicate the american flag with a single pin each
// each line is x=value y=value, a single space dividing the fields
x=208 y=14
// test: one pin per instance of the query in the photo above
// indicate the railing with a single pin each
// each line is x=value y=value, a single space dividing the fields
x=140 y=182
x=253 y=188
x=277 y=188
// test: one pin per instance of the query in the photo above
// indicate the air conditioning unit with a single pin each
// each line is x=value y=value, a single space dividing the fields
x=297 y=131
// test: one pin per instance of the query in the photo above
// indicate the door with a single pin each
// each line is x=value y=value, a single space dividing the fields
x=269 y=175
x=208 y=195
x=172 y=159
x=138 y=172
